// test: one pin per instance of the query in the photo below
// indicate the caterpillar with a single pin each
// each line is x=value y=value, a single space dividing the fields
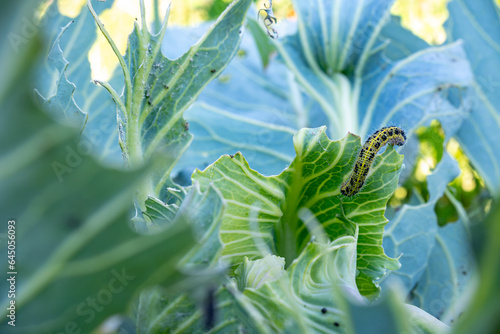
x=391 y=135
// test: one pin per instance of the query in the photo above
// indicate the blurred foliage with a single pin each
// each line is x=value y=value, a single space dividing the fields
x=119 y=21
x=213 y=8
x=483 y=314
x=71 y=8
x=424 y=18
x=468 y=188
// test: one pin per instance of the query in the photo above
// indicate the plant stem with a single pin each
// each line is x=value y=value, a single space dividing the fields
x=113 y=94
x=126 y=72
x=132 y=146
x=144 y=24
x=157 y=22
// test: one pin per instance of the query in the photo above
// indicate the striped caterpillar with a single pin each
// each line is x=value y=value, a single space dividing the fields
x=391 y=135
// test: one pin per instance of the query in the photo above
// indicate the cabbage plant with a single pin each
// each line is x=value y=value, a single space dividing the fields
x=198 y=190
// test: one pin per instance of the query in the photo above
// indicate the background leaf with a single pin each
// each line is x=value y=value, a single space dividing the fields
x=411 y=232
x=477 y=24
x=70 y=81
x=62 y=104
x=369 y=89
x=333 y=34
x=483 y=310
x=249 y=109
x=390 y=315
x=447 y=274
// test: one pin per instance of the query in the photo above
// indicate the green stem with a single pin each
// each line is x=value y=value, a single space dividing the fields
x=134 y=126
x=144 y=24
x=157 y=22
x=114 y=95
x=137 y=155
x=132 y=147
x=126 y=72
x=288 y=224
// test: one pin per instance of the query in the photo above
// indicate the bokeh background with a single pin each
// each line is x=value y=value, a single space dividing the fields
x=424 y=17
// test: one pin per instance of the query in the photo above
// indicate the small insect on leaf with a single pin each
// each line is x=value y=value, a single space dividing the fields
x=391 y=135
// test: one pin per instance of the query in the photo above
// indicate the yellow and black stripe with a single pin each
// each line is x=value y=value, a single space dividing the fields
x=391 y=135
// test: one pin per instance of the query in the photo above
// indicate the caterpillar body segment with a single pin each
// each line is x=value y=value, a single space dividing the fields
x=391 y=135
